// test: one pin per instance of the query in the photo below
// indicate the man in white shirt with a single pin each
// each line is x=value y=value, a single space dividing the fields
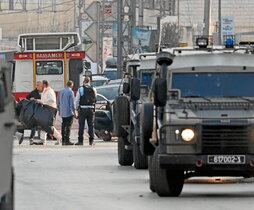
x=48 y=97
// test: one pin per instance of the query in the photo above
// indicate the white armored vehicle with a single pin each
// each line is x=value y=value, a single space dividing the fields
x=7 y=129
x=203 y=116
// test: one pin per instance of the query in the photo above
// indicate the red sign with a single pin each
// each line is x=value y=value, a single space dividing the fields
x=49 y=55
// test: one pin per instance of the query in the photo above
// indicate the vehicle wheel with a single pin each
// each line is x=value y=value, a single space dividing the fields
x=167 y=182
x=106 y=137
x=7 y=201
x=121 y=115
x=151 y=173
x=140 y=160
x=125 y=156
x=146 y=129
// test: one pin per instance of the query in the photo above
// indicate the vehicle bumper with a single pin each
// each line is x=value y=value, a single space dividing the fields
x=200 y=162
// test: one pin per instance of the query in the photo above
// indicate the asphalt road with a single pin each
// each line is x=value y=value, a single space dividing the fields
x=84 y=177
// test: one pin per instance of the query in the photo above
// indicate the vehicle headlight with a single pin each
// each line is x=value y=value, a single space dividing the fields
x=188 y=134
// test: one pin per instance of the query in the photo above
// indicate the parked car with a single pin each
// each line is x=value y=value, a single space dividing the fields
x=109 y=91
x=103 y=118
x=98 y=80
x=103 y=112
x=114 y=82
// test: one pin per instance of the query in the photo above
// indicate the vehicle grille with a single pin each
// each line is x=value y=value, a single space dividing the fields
x=224 y=139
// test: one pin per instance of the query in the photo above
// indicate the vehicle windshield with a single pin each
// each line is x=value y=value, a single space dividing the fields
x=146 y=78
x=109 y=92
x=98 y=83
x=110 y=74
x=214 y=85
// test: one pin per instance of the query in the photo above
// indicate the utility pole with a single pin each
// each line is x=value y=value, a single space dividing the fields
x=126 y=20
x=178 y=18
x=74 y=16
x=141 y=13
x=120 y=41
x=219 y=17
x=207 y=18
x=80 y=7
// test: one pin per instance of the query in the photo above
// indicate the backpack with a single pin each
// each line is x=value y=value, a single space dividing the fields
x=88 y=98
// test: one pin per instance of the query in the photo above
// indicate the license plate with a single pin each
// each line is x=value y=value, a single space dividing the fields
x=226 y=159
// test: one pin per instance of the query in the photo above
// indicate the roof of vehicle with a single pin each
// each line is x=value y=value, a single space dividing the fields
x=115 y=81
x=98 y=77
x=222 y=59
x=194 y=56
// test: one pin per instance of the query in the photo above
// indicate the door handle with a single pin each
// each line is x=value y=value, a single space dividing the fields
x=9 y=124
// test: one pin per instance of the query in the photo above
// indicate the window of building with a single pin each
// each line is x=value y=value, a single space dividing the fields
x=49 y=67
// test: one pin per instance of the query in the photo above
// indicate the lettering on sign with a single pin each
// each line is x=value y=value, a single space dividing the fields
x=49 y=55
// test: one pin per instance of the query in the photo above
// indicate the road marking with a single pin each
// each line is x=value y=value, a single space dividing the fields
x=61 y=148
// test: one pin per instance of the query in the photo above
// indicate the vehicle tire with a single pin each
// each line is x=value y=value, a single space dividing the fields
x=125 y=156
x=140 y=160
x=106 y=137
x=168 y=183
x=151 y=173
x=146 y=129
x=7 y=201
x=121 y=115
x=160 y=92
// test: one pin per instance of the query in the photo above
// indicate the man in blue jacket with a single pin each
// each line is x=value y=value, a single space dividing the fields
x=65 y=106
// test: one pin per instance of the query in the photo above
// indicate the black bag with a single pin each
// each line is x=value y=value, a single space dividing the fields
x=33 y=114
x=88 y=97
x=26 y=110
x=44 y=117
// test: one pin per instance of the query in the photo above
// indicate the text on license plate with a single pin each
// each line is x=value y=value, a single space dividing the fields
x=226 y=159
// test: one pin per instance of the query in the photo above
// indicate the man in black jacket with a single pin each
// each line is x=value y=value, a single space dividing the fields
x=34 y=95
x=85 y=104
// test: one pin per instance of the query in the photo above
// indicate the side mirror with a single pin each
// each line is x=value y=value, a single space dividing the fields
x=160 y=92
x=87 y=65
x=174 y=94
x=135 y=89
x=2 y=96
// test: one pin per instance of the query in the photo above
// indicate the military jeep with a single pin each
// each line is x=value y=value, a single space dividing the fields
x=127 y=110
x=7 y=129
x=203 y=116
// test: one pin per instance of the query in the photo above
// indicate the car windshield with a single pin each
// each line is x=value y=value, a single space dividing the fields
x=109 y=92
x=98 y=83
x=111 y=74
x=214 y=85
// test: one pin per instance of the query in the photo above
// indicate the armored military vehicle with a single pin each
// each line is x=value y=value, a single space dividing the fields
x=203 y=116
x=7 y=129
x=127 y=109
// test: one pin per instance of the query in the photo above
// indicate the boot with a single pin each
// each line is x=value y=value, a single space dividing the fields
x=20 y=137
x=58 y=137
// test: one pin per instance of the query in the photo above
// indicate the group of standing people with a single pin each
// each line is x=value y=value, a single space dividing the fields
x=82 y=108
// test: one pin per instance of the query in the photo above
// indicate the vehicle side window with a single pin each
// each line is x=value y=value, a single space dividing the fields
x=49 y=67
